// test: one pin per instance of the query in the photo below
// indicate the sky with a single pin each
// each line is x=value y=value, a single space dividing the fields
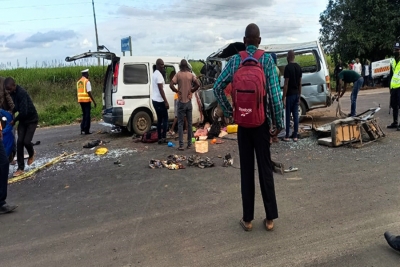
x=32 y=32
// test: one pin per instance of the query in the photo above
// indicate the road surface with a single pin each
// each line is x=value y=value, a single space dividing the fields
x=88 y=211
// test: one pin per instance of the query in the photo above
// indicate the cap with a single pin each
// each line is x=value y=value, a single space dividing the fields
x=353 y=61
x=84 y=71
x=396 y=45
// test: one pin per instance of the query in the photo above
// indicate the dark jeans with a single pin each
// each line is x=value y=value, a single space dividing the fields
x=185 y=109
x=354 y=93
x=162 y=119
x=394 y=103
x=250 y=140
x=337 y=85
x=85 y=124
x=292 y=107
x=4 y=168
x=25 y=136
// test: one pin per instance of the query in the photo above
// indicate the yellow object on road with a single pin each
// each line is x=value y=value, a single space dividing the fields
x=101 y=151
x=232 y=128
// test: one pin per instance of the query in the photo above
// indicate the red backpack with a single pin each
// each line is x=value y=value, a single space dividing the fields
x=248 y=91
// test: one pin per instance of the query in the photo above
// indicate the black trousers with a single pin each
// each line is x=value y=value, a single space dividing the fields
x=162 y=119
x=85 y=124
x=256 y=140
x=4 y=168
x=25 y=136
x=394 y=103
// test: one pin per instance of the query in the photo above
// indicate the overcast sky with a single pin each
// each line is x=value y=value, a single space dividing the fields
x=45 y=30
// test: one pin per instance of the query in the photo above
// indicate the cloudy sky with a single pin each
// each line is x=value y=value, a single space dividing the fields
x=45 y=30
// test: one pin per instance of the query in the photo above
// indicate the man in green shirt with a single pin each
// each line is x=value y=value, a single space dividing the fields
x=350 y=76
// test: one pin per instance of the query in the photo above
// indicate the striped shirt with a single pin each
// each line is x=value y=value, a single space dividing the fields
x=275 y=116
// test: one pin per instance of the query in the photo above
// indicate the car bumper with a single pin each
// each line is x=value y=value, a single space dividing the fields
x=113 y=116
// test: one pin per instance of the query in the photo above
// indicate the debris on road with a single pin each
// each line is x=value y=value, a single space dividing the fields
x=228 y=160
x=173 y=162
x=30 y=173
x=197 y=161
x=95 y=143
x=101 y=151
x=292 y=169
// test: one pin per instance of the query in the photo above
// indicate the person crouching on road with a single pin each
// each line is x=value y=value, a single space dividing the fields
x=28 y=120
x=85 y=98
x=350 y=76
x=187 y=85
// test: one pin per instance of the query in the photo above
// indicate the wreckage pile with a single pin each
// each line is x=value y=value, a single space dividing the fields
x=174 y=162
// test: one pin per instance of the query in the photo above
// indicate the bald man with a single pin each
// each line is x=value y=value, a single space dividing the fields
x=291 y=95
x=256 y=139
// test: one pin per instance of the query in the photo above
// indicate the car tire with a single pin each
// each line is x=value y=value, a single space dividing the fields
x=212 y=115
x=302 y=110
x=141 y=122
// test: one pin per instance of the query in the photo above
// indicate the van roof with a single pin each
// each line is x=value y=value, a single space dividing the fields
x=151 y=59
x=287 y=47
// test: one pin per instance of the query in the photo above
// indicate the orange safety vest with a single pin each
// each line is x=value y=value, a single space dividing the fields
x=83 y=96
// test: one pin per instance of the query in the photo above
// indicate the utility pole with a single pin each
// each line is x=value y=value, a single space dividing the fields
x=95 y=28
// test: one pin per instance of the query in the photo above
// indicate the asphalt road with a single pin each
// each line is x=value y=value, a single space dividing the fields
x=87 y=211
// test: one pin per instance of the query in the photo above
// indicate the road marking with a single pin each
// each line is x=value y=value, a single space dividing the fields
x=294 y=179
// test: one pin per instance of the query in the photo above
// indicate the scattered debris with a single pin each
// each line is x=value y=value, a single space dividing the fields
x=101 y=151
x=30 y=173
x=197 y=161
x=95 y=143
x=291 y=169
x=228 y=160
x=173 y=162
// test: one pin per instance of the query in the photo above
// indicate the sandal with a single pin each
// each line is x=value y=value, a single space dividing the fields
x=286 y=139
x=181 y=148
x=246 y=228
x=295 y=139
x=268 y=226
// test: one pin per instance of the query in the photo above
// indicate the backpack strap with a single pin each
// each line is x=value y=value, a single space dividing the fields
x=258 y=54
x=243 y=55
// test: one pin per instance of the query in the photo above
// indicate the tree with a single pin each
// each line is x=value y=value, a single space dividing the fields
x=366 y=29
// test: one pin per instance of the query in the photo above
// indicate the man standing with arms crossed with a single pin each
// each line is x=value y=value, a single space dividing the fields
x=85 y=98
x=187 y=85
x=255 y=139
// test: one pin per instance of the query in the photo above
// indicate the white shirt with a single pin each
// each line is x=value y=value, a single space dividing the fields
x=366 y=72
x=88 y=87
x=358 y=68
x=156 y=79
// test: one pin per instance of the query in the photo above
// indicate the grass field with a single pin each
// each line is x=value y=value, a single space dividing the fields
x=53 y=90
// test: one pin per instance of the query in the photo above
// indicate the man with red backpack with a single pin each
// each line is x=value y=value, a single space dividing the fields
x=257 y=108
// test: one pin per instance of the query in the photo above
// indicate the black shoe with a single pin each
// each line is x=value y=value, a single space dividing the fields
x=393 y=241
x=162 y=141
x=7 y=208
x=392 y=126
x=88 y=132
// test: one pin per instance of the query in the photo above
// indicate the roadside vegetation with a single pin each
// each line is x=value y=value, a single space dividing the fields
x=53 y=90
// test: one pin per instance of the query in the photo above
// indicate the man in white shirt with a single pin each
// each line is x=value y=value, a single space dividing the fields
x=160 y=102
x=358 y=66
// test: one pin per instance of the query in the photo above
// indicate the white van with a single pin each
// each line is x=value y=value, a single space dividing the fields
x=127 y=90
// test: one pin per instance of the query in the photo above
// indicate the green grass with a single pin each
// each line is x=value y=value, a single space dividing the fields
x=53 y=91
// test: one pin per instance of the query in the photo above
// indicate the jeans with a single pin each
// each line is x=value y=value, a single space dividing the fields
x=25 y=136
x=162 y=119
x=185 y=109
x=354 y=93
x=85 y=124
x=292 y=107
x=4 y=168
x=256 y=140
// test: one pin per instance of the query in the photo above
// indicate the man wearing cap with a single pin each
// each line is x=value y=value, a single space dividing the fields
x=85 y=98
x=395 y=85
